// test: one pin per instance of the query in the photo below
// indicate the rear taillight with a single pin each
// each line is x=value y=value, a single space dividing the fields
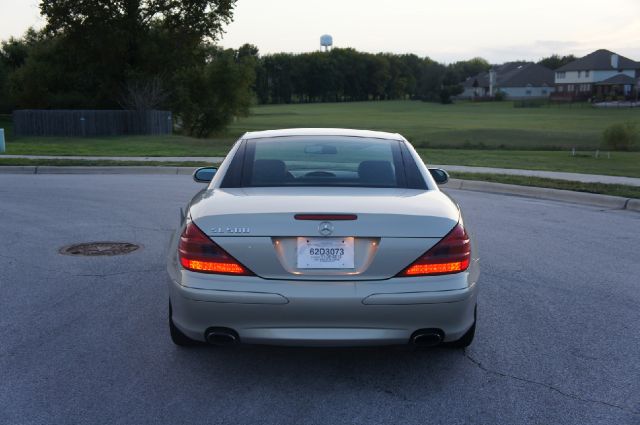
x=451 y=255
x=200 y=254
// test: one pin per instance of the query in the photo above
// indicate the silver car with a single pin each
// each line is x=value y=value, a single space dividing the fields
x=322 y=237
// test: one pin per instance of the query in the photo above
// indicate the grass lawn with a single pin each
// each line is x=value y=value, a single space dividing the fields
x=476 y=134
x=464 y=124
x=120 y=146
x=615 y=164
x=600 y=188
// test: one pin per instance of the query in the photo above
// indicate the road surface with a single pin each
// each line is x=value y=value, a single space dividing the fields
x=85 y=340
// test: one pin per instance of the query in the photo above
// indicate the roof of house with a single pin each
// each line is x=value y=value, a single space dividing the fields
x=600 y=60
x=515 y=74
x=619 y=79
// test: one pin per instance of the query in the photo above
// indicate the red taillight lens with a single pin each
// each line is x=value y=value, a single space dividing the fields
x=200 y=254
x=451 y=255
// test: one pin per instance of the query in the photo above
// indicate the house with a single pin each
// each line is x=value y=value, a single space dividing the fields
x=517 y=80
x=601 y=74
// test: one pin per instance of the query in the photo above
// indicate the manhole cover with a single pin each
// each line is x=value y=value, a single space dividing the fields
x=99 y=248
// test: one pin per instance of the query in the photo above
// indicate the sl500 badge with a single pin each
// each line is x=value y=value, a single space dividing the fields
x=235 y=230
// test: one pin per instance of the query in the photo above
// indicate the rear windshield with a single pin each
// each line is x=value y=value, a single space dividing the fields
x=324 y=161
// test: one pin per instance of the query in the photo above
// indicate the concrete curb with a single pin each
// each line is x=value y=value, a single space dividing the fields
x=606 y=201
x=633 y=205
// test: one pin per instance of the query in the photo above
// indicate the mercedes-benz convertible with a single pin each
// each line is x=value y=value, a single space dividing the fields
x=322 y=237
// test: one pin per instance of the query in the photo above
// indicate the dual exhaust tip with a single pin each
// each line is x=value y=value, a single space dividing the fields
x=221 y=336
x=427 y=337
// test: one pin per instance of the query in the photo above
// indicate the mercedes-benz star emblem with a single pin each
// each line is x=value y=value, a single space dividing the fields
x=325 y=228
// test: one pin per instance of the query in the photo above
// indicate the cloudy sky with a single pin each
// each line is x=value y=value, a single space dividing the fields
x=498 y=30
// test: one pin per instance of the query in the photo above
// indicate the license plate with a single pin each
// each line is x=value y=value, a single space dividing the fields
x=325 y=253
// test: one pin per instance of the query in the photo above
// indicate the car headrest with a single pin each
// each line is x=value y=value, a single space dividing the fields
x=269 y=171
x=376 y=173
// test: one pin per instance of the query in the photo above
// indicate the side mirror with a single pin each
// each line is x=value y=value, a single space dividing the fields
x=439 y=175
x=204 y=174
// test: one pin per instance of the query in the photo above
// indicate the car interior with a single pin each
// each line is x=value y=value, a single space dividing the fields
x=368 y=173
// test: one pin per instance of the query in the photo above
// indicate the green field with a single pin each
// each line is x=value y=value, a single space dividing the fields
x=607 y=163
x=476 y=134
x=465 y=124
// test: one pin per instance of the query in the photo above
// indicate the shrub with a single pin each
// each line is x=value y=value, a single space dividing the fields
x=500 y=96
x=447 y=92
x=621 y=137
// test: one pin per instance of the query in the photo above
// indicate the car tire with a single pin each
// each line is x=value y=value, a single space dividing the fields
x=467 y=338
x=177 y=336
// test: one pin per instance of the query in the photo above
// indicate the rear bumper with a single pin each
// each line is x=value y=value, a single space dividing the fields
x=321 y=313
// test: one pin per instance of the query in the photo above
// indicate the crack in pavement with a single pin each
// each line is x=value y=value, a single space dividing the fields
x=547 y=386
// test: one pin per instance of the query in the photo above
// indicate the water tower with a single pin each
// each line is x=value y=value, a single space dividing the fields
x=326 y=42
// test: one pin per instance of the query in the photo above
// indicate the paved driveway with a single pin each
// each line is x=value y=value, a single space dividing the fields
x=85 y=340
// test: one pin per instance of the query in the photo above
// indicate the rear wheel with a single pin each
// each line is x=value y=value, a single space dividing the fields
x=177 y=336
x=467 y=338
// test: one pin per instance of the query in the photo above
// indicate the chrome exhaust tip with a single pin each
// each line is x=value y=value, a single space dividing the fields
x=221 y=336
x=427 y=338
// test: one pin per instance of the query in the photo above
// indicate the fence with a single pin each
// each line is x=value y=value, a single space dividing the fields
x=84 y=123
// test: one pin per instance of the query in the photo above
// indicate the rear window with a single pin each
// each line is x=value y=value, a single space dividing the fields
x=323 y=161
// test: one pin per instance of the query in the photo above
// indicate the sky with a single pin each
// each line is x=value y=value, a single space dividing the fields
x=445 y=30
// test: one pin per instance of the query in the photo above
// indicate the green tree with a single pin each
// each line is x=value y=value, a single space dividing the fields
x=195 y=19
x=5 y=101
x=430 y=81
x=413 y=64
x=13 y=55
x=469 y=68
x=351 y=69
x=120 y=40
x=378 y=76
x=349 y=75
x=556 y=61
x=211 y=96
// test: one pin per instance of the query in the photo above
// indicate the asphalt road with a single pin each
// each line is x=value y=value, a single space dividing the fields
x=85 y=340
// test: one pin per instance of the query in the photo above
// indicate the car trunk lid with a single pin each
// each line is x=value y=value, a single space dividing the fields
x=387 y=228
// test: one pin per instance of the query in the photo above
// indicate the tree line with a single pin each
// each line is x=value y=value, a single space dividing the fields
x=161 y=54
x=343 y=75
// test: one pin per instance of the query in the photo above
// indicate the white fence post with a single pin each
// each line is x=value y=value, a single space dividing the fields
x=2 y=147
